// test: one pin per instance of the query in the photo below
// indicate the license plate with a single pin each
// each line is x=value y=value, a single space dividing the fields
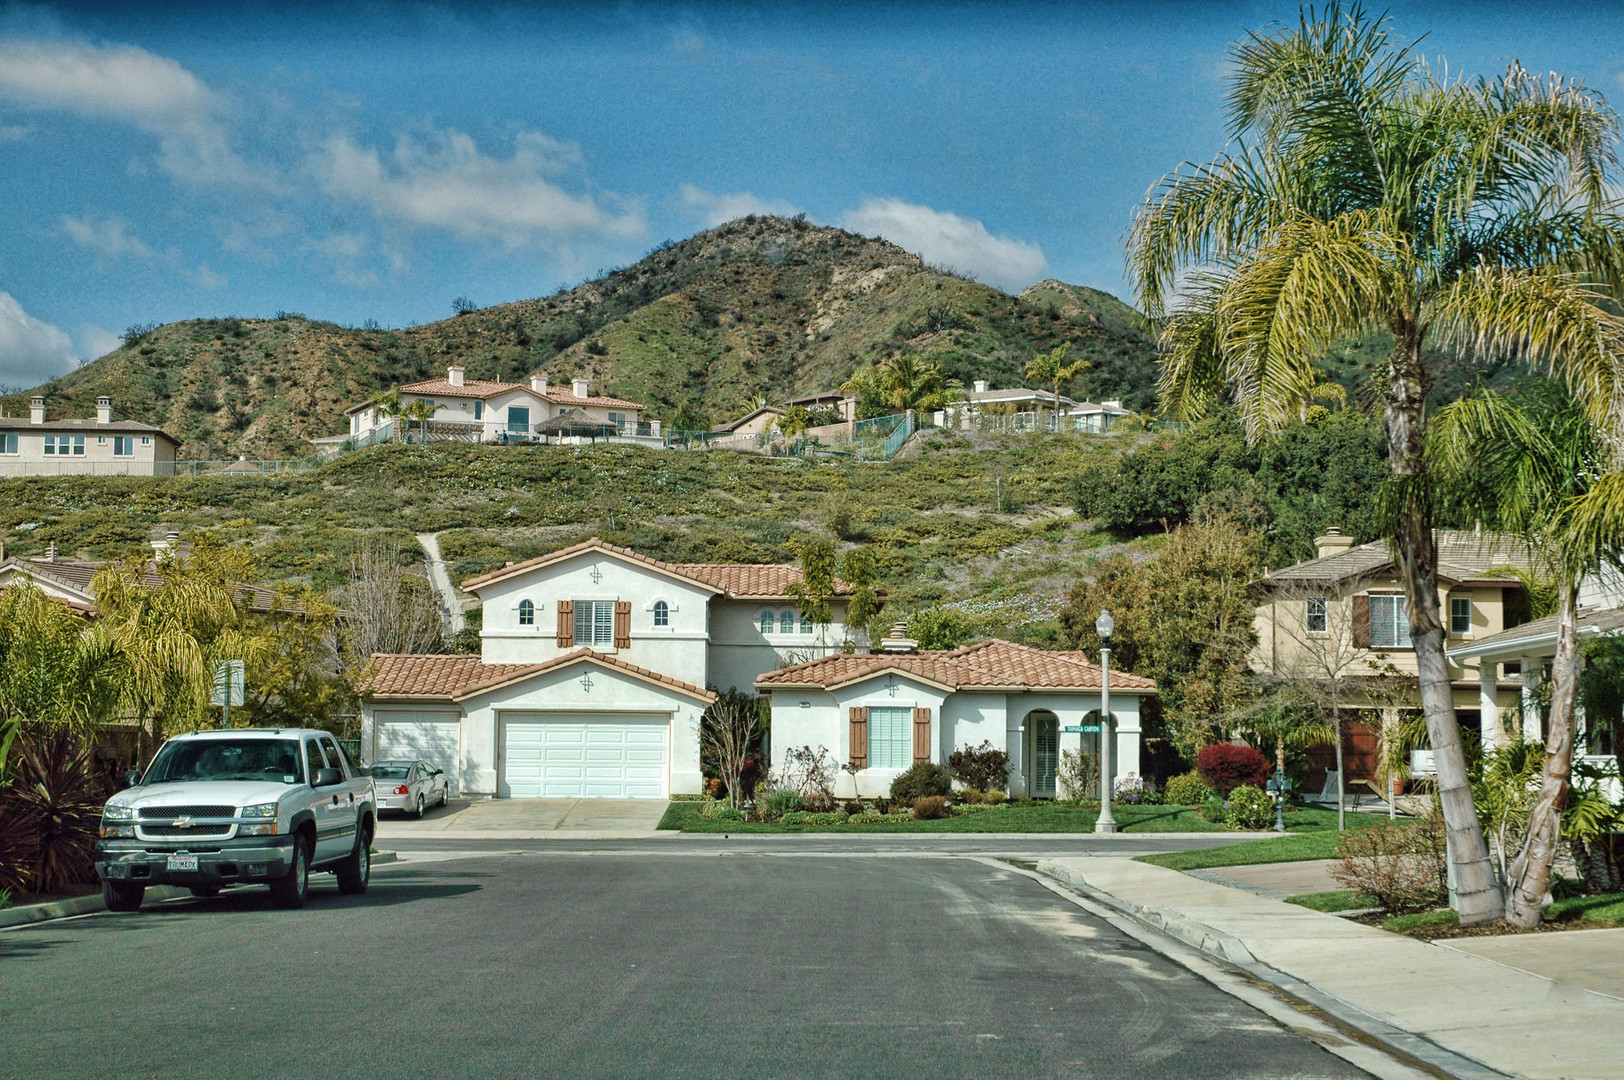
x=182 y=862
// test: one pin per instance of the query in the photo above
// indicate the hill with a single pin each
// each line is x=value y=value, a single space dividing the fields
x=760 y=307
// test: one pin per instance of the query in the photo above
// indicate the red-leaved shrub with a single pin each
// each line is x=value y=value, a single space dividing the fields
x=1226 y=766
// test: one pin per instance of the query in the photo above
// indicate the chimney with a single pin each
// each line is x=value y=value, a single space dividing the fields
x=36 y=409
x=169 y=541
x=538 y=385
x=453 y=375
x=981 y=386
x=898 y=641
x=104 y=410
x=50 y=552
x=581 y=388
x=1332 y=543
x=1114 y=403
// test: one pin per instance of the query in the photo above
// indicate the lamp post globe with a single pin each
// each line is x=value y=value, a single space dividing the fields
x=1106 y=823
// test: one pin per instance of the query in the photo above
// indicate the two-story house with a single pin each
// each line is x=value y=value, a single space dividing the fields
x=40 y=446
x=488 y=411
x=596 y=664
x=1342 y=618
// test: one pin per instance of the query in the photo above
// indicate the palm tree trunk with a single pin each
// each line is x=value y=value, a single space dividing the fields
x=1530 y=874
x=1477 y=890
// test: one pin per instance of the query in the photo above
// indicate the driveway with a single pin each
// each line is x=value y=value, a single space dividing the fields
x=530 y=819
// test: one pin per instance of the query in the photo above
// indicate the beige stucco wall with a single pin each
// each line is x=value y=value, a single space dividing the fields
x=98 y=458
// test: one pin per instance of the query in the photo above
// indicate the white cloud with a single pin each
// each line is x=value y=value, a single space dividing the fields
x=205 y=278
x=132 y=86
x=446 y=182
x=31 y=351
x=96 y=342
x=715 y=208
x=109 y=238
x=946 y=239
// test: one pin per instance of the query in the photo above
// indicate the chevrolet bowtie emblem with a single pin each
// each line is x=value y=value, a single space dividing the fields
x=184 y=823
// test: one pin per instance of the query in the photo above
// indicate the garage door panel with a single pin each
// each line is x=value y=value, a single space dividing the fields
x=578 y=757
x=411 y=736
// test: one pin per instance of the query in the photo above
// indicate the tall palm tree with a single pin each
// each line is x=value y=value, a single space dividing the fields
x=1528 y=467
x=1054 y=367
x=1377 y=195
x=389 y=402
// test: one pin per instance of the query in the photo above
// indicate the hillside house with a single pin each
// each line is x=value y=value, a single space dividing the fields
x=1343 y=615
x=596 y=664
x=39 y=446
x=1022 y=409
x=492 y=411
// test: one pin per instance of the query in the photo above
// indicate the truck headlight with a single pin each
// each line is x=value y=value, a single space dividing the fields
x=265 y=829
x=118 y=813
x=266 y=809
x=116 y=831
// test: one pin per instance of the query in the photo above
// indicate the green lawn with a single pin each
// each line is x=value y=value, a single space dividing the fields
x=1335 y=900
x=1041 y=818
x=1313 y=836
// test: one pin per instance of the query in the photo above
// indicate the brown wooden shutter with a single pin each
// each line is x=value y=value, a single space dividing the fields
x=566 y=624
x=1361 y=621
x=921 y=734
x=857 y=753
x=623 y=624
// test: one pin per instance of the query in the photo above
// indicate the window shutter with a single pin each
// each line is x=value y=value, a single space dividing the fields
x=921 y=735
x=566 y=624
x=623 y=624
x=1361 y=621
x=858 y=751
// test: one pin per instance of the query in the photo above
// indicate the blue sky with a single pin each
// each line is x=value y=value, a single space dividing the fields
x=353 y=162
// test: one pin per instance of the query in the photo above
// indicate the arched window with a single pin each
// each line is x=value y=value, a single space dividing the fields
x=527 y=613
x=786 y=623
x=662 y=613
x=766 y=622
x=806 y=623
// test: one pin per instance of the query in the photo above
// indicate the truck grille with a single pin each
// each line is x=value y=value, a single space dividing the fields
x=202 y=832
x=149 y=813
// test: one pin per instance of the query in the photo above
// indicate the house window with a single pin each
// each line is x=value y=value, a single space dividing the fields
x=1460 y=615
x=527 y=613
x=1513 y=667
x=146 y=440
x=662 y=613
x=1317 y=621
x=595 y=622
x=806 y=623
x=890 y=738
x=50 y=446
x=786 y=623
x=1389 y=622
x=123 y=446
x=518 y=419
x=618 y=419
x=78 y=445
x=8 y=444
x=768 y=622
x=479 y=410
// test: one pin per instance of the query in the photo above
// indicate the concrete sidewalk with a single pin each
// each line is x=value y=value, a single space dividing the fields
x=1514 y=1022
x=532 y=819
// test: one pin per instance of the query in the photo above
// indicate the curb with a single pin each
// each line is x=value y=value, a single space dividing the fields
x=93 y=902
x=1405 y=1047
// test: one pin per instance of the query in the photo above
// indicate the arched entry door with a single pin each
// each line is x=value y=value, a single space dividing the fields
x=1042 y=753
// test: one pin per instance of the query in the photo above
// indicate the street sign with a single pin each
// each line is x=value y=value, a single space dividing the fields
x=1082 y=729
x=227 y=678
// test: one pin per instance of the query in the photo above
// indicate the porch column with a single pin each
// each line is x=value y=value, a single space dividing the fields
x=1125 y=756
x=1488 y=703
x=1533 y=673
x=1015 y=743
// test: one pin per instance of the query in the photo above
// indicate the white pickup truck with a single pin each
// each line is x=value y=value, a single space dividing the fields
x=241 y=806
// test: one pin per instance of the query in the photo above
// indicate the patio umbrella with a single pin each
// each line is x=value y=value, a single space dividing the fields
x=575 y=422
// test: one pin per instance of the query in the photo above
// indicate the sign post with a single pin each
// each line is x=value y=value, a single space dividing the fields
x=228 y=687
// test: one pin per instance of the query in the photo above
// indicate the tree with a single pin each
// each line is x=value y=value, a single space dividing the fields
x=863 y=604
x=730 y=734
x=1284 y=720
x=900 y=384
x=1054 y=368
x=813 y=593
x=689 y=417
x=420 y=411
x=463 y=305
x=388 y=608
x=1527 y=466
x=1376 y=193
x=940 y=628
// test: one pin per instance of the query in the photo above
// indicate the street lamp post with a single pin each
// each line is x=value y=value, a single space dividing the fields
x=1104 y=625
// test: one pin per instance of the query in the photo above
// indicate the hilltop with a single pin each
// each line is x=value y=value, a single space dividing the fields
x=759 y=307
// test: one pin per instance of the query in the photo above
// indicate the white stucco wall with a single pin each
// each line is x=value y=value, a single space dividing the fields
x=740 y=652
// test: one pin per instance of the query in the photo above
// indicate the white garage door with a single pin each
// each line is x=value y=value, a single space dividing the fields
x=574 y=757
x=414 y=736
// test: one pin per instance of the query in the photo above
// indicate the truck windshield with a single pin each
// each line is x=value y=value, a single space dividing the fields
x=275 y=760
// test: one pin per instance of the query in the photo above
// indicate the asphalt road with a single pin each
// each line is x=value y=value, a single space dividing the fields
x=638 y=965
x=1044 y=844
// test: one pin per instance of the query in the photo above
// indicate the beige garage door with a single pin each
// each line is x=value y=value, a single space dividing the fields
x=612 y=756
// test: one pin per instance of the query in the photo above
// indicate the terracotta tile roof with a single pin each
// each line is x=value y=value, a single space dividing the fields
x=736 y=580
x=471 y=388
x=458 y=678
x=990 y=665
x=1462 y=556
x=561 y=396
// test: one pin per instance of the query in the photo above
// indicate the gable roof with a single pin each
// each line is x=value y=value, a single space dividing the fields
x=411 y=677
x=1462 y=557
x=91 y=426
x=470 y=388
x=734 y=425
x=986 y=665
x=562 y=396
x=737 y=581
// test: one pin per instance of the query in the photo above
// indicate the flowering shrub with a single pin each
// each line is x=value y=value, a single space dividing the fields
x=980 y=767
x=778 y=802
x=1226 y=766
x=1132 y=790
x=1250 y=808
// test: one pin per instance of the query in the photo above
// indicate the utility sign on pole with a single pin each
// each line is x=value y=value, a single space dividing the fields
x=228 y=687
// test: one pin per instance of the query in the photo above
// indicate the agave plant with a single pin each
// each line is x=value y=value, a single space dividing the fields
x=50 y=815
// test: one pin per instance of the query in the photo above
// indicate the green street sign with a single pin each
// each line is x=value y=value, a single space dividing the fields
x=1082 y=729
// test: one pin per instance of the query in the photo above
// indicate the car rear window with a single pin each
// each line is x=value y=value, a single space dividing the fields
x=389 y=772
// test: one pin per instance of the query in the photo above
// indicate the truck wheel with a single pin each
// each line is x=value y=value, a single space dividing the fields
x=356 y=869
x=123 y=896
x=290 y=890
x=205 y=891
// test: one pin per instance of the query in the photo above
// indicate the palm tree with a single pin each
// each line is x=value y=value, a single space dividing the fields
x=1380 y=196
x=1286 y=720
x=901 y=384
x=389 y=402
x=1527 y=467
x=1053 y=368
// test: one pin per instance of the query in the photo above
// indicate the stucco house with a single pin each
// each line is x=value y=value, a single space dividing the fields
x=39 y=446
x=488 y=411
x=1019 y=408
x=886 y=710
x=596 y=664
